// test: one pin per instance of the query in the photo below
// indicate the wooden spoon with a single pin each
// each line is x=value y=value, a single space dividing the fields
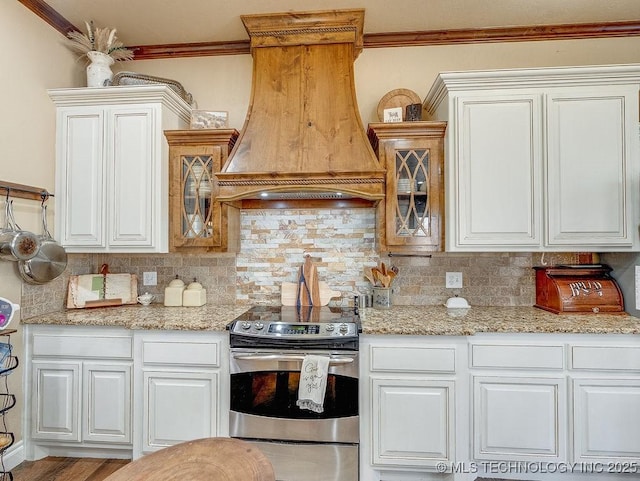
x=391 y=275
x=368 y=274
x=376 y=275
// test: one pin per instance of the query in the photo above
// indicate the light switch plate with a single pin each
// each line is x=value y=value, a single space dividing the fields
x=149 y=278
x=453 y=280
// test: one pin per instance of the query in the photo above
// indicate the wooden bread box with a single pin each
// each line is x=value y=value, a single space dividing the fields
x=578 y=288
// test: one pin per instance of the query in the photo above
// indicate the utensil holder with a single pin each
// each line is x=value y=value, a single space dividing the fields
x=382 y=297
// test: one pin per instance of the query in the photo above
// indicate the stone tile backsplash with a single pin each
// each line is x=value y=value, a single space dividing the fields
x=341 y=243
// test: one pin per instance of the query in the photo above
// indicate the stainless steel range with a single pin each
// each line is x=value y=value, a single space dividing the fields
x=268 y=347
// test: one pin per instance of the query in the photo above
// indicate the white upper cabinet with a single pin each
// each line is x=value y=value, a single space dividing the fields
x=541 y=159
x=112 y=167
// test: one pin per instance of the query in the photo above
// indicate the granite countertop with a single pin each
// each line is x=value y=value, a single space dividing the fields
x=209 y=317
x=400 y=320
x=437 y=320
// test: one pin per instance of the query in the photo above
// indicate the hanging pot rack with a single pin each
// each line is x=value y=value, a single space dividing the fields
x=22 y=191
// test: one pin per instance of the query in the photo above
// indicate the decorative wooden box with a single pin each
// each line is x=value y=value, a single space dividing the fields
x=577 y=288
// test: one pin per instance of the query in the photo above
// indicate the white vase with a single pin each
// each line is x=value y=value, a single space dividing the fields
x=99 y=70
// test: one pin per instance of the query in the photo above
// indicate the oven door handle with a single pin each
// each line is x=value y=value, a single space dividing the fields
x=333 y=360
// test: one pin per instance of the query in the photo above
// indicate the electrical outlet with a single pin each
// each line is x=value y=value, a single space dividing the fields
x=453 y=280
x=150 y=278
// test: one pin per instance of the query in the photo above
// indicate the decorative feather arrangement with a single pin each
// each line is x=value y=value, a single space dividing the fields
x=99 y=40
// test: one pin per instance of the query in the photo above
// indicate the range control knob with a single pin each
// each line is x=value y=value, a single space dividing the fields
x=344 y=328
x=329 y=327
x=259 y=325
x=246 y=325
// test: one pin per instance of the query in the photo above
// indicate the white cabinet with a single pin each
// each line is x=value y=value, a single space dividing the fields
x=181 y=392
x=519 y=418
x=408 y=410
x=112 y=167
x=55 y=405
x=519 y=401
x=411 y=421
x=106 y=397
x=606 y=403
x=180 y=407
x=541 y=159
x=80 y=388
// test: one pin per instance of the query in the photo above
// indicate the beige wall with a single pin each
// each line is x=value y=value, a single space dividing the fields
x=33 y=60
x=224 y=83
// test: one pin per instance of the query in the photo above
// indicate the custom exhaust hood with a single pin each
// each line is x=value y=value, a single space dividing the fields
x=303 y=136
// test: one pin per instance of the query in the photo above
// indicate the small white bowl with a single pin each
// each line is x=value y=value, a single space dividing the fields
x=457 y=303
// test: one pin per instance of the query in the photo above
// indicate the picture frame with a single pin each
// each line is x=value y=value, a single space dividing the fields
x=393 y=115
x=209 y=119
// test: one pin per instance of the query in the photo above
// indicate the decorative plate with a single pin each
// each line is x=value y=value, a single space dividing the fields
x=397 y=98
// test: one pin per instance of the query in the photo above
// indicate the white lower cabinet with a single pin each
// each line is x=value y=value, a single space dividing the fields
x=607 y=420
x=519 y=403
x=180 y=378
x=79 y=390
x=107 y=396
x=411 y=421
x=408 y=406
x=94 y=408
x=519 y=418
x=532 y=407
x=178 y=407
x=605 y=381
x=56 y=402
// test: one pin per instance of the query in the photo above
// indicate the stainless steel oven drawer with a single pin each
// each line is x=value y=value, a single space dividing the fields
x=311 y=462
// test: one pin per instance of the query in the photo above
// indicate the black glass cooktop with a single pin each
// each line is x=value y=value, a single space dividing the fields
x=317 y=315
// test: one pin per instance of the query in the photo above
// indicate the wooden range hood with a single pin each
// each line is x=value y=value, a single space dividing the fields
x=303 y=136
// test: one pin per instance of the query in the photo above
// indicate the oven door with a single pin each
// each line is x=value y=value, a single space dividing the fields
x=264 y=391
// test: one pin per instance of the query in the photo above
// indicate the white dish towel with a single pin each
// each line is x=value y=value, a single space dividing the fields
x=313 y=383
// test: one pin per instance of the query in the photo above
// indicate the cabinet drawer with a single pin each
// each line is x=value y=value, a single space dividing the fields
x=606 y=358
x=516 y=356
x=182 y=353
x=413 y=359
x=119 y=347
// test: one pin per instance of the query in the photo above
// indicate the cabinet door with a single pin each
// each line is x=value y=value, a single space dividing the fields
x=412 y=421
x=606 y=417
x=55 y=409
x=178 y=406
x=134 y=178
x=107 y=402
x=494 y=175
x=519 y=419
x=413 y=192
x=591 y=159
x=196 y=220
x=80 y=178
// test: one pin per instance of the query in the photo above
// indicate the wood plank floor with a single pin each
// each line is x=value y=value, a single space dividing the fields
x=83 y=469
x=67 y=469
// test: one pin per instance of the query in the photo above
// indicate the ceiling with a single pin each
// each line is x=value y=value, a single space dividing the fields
x=159 y=22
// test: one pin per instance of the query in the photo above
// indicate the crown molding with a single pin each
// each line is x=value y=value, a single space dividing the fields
x=372 y=40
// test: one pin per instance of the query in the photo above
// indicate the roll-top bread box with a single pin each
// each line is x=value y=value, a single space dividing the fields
x=577 y=288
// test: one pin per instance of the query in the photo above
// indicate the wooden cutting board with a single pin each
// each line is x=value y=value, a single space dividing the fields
x=308 y=286
x=98 y=290
x=288 y=295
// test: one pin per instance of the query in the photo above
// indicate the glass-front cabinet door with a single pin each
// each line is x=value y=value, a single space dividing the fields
x=412 y=154
x=197 y=220
x=199 y=213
